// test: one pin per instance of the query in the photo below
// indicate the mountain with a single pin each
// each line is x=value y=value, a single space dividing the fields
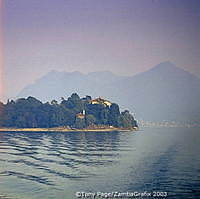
x=59 y=84
x=164 y=92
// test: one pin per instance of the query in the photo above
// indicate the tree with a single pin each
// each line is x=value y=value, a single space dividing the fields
x=1 y=114
x=30 y=112
x=80 y=123
x=126 y=120
x=54 y=102
x=90 y=120
x=114 y=115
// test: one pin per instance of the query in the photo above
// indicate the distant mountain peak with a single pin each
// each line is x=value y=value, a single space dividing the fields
x=166 y=65
x=52 y=72
x=104 y=72
x=168 y=68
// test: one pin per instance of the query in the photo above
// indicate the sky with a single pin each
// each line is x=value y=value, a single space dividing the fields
x=1 y=54
x=122 y=36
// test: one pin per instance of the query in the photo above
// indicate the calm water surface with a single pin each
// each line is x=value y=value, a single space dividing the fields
x=56 y=165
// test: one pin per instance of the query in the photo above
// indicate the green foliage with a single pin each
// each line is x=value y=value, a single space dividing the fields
x=80 y=123
x=32 y=113
x=126 y=120
x=114 y=115
x=1 y=114
x=90 y=120
x=100 y=113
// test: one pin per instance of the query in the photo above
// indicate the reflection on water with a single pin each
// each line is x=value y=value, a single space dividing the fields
x=56 y=165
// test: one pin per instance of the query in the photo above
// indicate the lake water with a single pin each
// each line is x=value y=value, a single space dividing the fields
x=57 y=165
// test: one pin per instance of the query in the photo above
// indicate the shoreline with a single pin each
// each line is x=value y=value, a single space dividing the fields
x=58 y=129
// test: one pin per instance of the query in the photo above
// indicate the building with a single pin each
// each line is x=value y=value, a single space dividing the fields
x=100 y=100
x=81 y=115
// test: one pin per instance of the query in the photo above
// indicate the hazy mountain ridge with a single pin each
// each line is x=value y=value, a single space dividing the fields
x=164 y=92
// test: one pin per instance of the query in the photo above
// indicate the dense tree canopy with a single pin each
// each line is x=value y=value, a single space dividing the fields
x=74 y=112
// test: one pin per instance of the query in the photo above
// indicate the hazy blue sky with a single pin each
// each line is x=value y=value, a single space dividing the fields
x=123 y=36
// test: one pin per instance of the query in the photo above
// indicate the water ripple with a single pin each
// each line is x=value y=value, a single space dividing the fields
x=37 y=179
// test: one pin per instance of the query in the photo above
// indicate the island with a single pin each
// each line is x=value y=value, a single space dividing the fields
x=71 y=114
